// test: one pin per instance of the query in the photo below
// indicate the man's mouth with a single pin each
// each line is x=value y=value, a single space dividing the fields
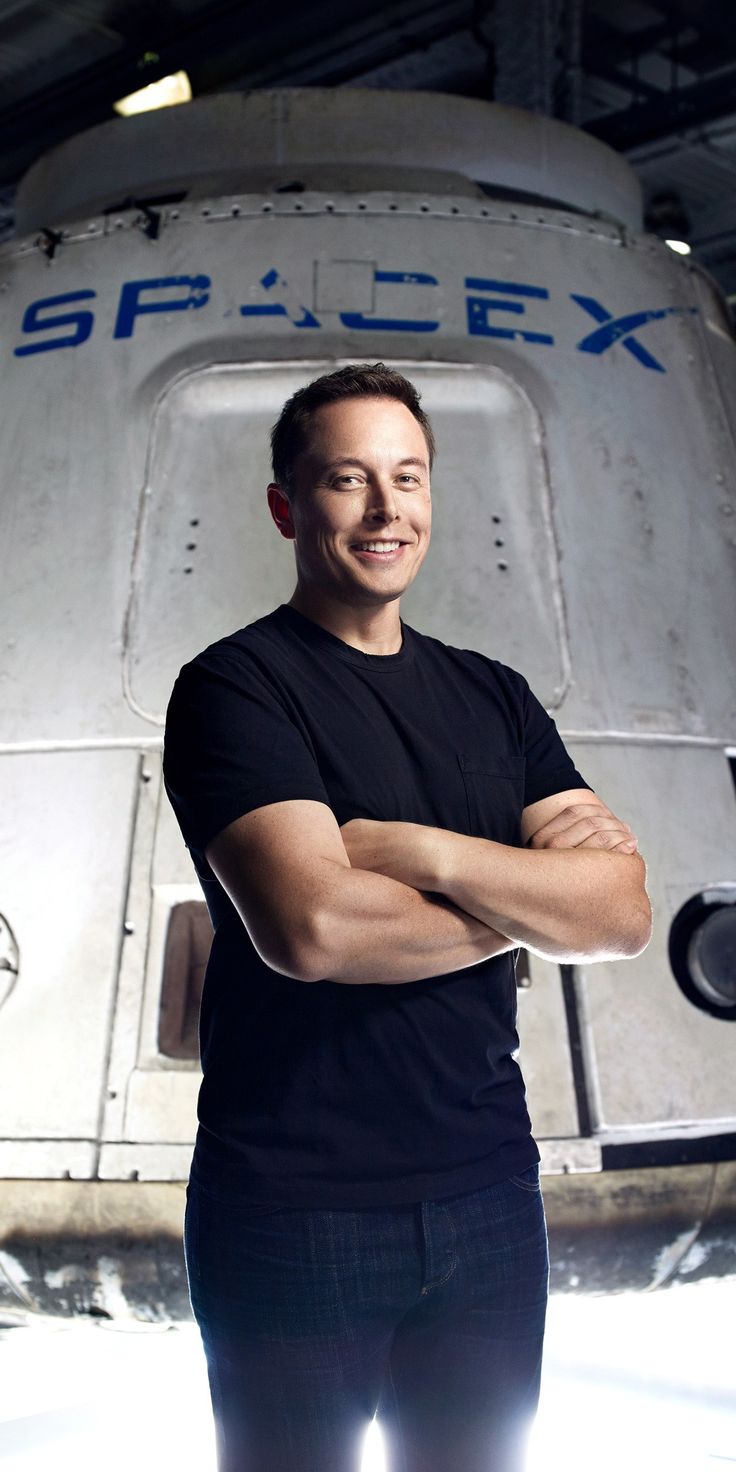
x=381 y=550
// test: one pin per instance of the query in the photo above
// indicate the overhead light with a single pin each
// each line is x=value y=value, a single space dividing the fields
x=666 y=217
x=164 y=93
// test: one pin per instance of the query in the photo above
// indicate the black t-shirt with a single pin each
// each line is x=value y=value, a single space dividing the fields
x=331 y=1094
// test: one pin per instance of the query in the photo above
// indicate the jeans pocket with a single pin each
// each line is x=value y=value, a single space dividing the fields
x=527 y=1180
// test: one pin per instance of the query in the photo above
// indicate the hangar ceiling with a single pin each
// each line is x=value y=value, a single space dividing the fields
x=657 y=81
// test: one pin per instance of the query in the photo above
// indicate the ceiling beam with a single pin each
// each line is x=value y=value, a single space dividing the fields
x=229 y=45
x=688 y=107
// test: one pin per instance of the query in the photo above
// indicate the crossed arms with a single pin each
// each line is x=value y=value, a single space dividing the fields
x=398 y=902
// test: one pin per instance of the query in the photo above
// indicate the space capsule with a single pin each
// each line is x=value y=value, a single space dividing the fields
x=174 y=277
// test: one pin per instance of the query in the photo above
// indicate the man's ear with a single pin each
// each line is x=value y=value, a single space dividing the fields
x=280 y=510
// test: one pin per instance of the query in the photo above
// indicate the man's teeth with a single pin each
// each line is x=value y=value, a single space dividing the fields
x=377 y=546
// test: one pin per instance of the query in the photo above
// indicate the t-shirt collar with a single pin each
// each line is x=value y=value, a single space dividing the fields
x=317 y=637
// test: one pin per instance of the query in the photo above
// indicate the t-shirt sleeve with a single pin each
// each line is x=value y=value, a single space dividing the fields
x=549 y=767
x=230 y=746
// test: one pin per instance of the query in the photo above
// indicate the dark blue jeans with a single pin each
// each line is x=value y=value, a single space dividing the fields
x=431 y=1315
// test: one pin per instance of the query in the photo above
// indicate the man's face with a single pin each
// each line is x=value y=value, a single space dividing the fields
x=363 y=477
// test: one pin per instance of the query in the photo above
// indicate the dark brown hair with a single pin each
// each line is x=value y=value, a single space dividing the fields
x=372 y=380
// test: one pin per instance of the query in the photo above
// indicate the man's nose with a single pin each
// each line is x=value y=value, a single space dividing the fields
x=382 y=500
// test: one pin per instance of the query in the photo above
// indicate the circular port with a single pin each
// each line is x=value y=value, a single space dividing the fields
x=711 y=956
x=702 y=950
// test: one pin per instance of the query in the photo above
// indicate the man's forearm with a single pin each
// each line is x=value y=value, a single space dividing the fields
x=567 y=904
x=372 y=929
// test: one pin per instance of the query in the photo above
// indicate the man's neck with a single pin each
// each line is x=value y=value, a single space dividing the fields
x=373 y=631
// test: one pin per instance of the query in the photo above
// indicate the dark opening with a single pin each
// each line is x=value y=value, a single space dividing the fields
x=702 y=950
x=188 y=941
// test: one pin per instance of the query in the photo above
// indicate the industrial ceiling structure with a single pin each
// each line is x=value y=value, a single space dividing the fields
x=657 y=81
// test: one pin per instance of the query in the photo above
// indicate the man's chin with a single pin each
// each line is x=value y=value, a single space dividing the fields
x=385 y=585
x=390 y=590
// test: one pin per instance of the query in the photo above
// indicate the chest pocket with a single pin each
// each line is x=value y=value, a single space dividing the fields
x=494 y=794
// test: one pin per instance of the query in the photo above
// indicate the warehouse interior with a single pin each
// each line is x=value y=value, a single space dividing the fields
x=641 y=1377
x=657 y=82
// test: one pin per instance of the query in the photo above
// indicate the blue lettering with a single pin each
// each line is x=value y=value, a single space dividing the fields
x=618 y=329
x=358 y=322
x=82 y=322
x=485 y=299
x=479 y=307
x=298 y=315
x=131 y=305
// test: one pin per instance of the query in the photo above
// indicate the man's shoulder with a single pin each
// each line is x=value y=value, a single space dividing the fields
x=472 y=660
x=246 y=662
x=244 y=646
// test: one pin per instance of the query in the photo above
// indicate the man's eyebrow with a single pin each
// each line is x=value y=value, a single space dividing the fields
x=350 y=460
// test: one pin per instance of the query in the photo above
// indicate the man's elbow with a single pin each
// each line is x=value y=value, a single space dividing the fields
x=327 y=943
x=635 y=923
x=309 y=941
x=635 y=930
x=619 y=931
x=287 y=948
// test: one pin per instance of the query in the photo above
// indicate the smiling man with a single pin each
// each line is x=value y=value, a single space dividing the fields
x=379 y=821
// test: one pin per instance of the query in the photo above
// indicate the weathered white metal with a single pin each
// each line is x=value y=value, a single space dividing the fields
x=489 y=435
x=65 y=842
x=581 y=379
x=571 y=1156
x=331 y=139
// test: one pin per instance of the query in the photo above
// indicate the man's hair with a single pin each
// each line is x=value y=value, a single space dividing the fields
x=290 y=433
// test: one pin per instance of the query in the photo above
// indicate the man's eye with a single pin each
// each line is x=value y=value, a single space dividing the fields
x=413 y=478
x=341 y=479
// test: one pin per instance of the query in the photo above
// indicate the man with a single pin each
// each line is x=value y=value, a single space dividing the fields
x=379 y=822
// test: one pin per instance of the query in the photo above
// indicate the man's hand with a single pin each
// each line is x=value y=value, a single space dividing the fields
x=585 y=825
x=410 y=852
x=565 y=907
x=311 y=925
